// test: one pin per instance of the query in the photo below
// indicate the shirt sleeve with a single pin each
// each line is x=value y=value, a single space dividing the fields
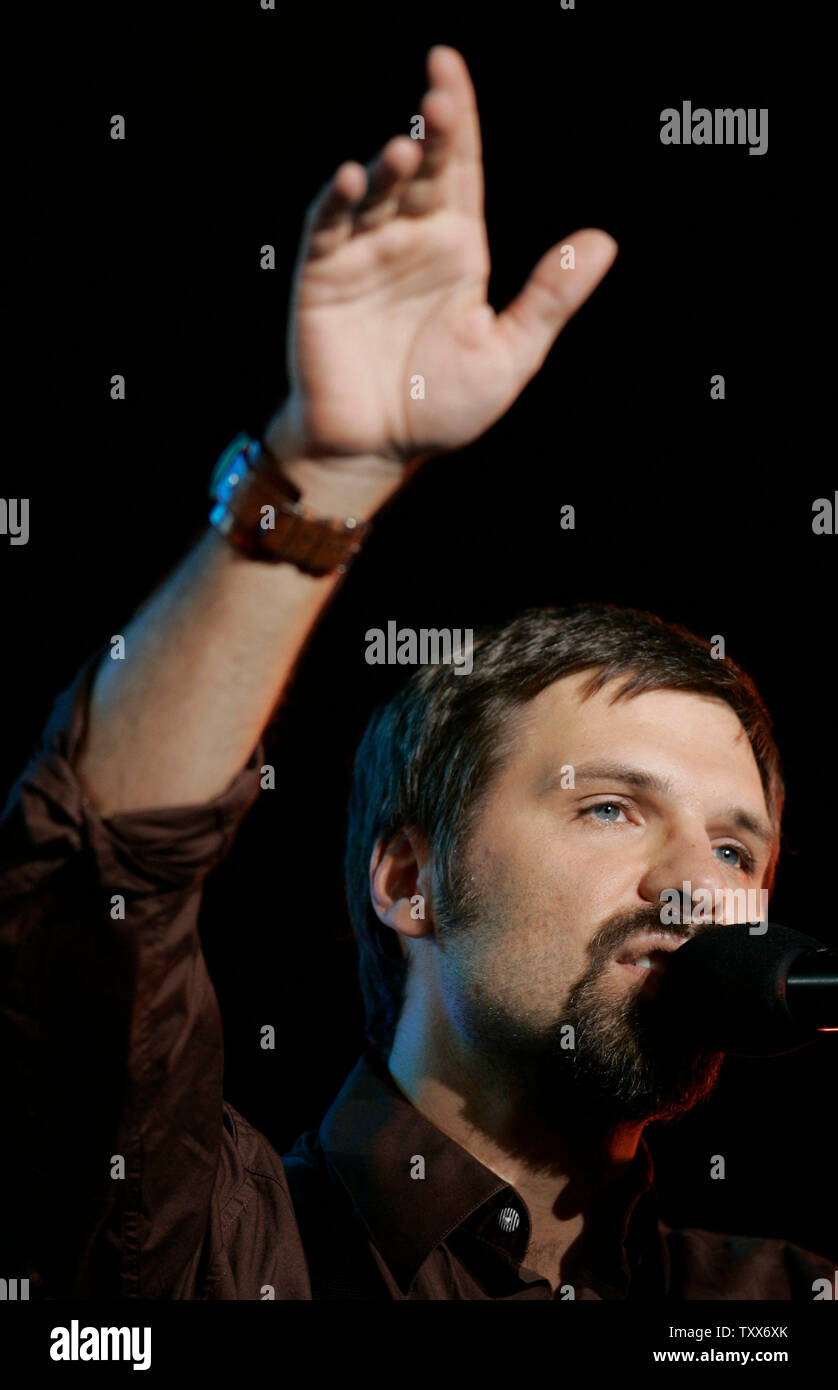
x=111 y=1048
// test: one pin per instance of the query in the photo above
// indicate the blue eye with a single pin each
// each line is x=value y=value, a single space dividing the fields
x=606 y=806
x=746 y=863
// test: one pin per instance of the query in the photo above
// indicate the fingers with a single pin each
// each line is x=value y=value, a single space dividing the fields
x=451 y=133
x=452 y=139
x=408 y=175
x=388 y=177
x=558 y=286
x=427 y=189
x=448 y=73
x=330 y=216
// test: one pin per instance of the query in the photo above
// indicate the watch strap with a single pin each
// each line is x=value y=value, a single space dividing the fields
x=258 y=509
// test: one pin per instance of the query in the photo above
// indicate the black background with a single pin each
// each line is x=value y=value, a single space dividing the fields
x=145 y=258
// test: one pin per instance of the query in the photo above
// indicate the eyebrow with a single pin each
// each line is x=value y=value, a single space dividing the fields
x=649 y=781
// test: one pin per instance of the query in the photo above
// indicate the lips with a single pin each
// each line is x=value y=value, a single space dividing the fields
x=649 y=951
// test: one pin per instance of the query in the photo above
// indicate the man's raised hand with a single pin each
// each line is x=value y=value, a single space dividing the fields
x=393 y=349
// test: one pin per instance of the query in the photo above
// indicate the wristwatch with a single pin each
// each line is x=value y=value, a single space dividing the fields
x=258 y=510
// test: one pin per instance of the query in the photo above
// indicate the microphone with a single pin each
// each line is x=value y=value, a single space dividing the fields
x=753 y=995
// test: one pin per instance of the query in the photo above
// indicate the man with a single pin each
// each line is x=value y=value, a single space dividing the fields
x=473 y=1153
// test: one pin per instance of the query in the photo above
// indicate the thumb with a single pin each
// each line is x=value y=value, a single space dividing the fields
x=560 y=283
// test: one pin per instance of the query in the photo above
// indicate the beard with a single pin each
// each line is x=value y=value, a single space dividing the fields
x=624 y=1065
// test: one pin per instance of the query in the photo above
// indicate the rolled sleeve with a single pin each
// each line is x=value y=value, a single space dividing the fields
x=112 y=1048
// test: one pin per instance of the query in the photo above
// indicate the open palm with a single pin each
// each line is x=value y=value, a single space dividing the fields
x=393 y=348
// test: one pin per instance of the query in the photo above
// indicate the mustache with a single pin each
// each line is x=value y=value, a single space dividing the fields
x=626 y=925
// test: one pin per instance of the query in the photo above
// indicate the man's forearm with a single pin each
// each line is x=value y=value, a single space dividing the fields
x=207 y=658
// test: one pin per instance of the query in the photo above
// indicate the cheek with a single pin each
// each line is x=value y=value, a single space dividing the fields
x=594 y=879
x=547 y=887
x=583 y=866
x=537 y=908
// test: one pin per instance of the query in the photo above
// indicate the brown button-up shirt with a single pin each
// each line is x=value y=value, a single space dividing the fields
x=129 y=1176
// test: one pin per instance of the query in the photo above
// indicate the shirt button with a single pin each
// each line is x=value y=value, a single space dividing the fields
x=509 y=1219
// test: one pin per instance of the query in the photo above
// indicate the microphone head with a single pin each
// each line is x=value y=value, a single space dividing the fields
x=725 y=989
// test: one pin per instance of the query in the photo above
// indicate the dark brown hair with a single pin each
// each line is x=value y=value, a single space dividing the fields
x=428 y=756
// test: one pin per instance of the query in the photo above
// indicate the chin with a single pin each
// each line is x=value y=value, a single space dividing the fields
x=672 y=1097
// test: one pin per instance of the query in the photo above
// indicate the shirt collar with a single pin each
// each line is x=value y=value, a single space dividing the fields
x=376 y=1140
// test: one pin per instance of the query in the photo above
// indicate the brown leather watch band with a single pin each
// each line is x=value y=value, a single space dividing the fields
x=258 y=510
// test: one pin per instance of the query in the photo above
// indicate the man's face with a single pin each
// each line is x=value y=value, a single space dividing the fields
x=555 y=881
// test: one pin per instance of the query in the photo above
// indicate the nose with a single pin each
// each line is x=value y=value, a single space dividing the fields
x=683 y=870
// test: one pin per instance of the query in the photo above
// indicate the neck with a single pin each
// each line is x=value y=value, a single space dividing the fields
x=564 y=1160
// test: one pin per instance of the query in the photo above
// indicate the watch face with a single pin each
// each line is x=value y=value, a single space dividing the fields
x=240 y=442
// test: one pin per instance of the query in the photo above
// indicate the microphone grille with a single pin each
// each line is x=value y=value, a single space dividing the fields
x=725 y=989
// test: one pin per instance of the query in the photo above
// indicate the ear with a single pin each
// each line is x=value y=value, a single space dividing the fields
x=400 y=884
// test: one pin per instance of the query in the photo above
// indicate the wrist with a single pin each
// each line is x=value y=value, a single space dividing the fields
x=354 y=484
